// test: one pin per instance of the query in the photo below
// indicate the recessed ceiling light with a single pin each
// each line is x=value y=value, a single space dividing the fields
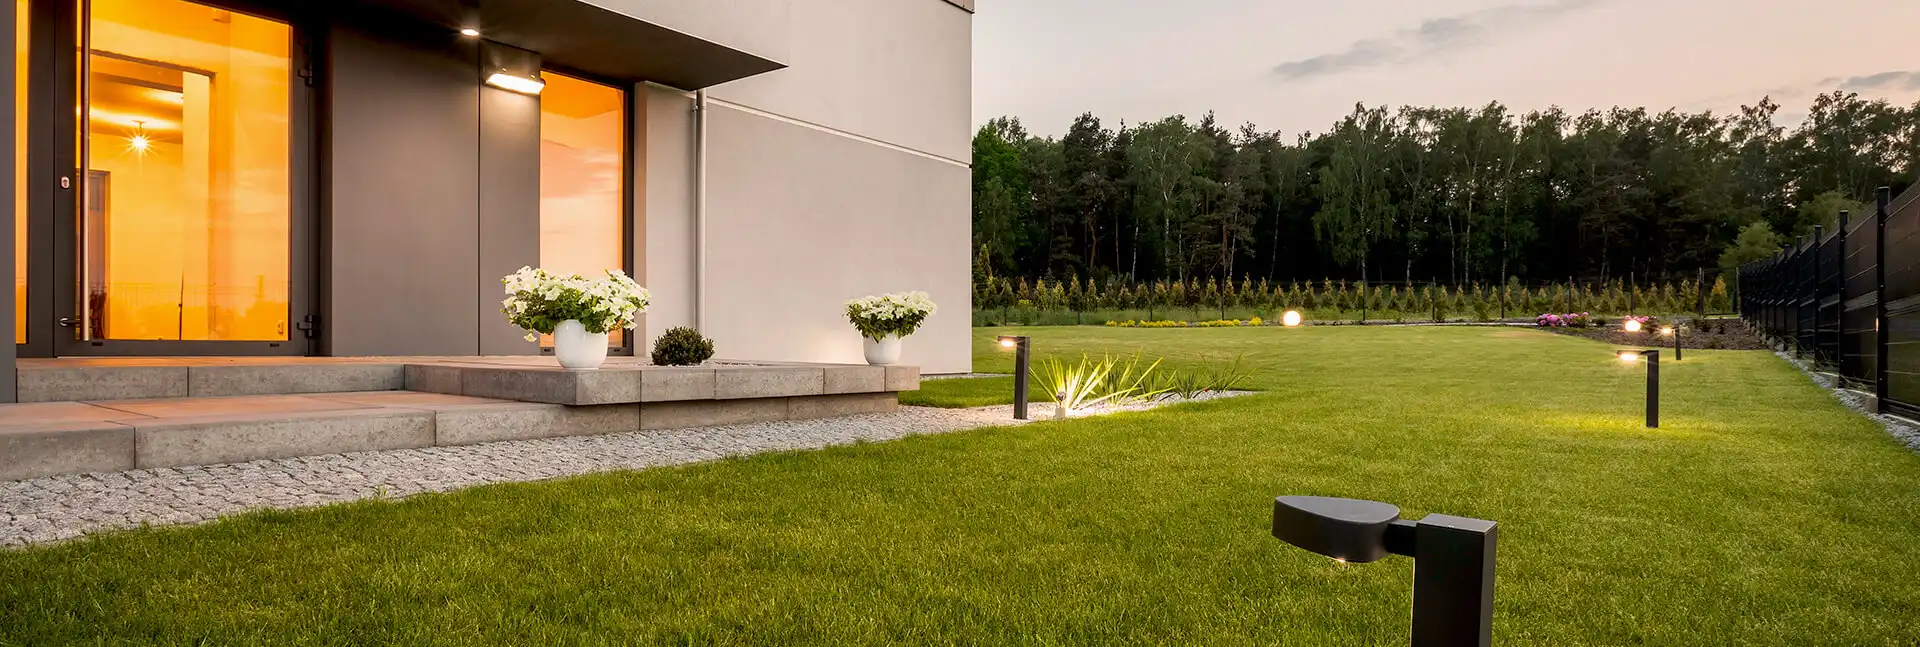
x=470 y=32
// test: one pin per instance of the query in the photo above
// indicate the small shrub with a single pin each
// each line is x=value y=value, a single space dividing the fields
x=682 y=347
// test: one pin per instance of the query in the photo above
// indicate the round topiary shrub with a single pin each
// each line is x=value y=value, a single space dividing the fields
x=682 y=347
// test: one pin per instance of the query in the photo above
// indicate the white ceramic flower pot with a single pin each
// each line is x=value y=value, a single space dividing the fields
x=578 y=349
x=885 y=351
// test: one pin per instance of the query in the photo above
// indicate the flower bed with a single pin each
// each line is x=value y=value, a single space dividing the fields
x=1216 y=323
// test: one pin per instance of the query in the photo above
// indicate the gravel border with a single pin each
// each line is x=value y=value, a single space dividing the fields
x=60 y=508
x=1903 y=430
x=963 y=376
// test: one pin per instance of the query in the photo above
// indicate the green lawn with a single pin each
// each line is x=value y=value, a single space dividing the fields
x=1763 y=513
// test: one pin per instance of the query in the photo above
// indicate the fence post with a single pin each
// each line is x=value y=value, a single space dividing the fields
x=1882 y=198
x=1632 y=290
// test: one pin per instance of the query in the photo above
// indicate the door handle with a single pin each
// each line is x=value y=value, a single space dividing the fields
x=69 y=322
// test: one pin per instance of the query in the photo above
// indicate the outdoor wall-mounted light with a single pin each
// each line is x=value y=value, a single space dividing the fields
x=1453 y=559
x=529 y=85
x=1653 y=380
x=1291 y=319
x=470 y=32
x=1018 y=344
x=512 y=69
x=1674 y=332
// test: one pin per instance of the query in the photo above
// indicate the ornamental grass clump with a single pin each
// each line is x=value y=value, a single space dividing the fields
x=897 y=314
x=538 y=301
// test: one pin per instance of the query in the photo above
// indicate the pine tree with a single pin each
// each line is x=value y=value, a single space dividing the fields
x=1717 y=299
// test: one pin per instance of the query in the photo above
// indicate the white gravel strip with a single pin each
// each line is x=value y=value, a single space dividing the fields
x=1902 y=429
x=963 y=376
x=57 y=508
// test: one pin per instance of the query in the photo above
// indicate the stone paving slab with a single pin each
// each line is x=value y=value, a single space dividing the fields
x=52 y=509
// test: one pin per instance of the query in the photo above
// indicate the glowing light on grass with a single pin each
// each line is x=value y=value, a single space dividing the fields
x=1290 y=319
x=1629 y=356
x=1666 y=330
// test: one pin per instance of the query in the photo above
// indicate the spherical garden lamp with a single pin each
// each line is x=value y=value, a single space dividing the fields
x=1632 y=325
x=1291 y=319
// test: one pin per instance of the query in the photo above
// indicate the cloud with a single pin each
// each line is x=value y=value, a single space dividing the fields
x=1430 y=37
x=1895 y=80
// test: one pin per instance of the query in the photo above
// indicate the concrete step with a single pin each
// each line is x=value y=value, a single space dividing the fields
x=54 y=438
x=92 y=380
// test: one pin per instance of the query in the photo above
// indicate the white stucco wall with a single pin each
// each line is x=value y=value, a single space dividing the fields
x=841 y=176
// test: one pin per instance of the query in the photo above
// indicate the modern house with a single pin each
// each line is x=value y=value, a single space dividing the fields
x=352 y=178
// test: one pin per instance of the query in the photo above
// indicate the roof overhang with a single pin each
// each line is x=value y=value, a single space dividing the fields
x=592 y=39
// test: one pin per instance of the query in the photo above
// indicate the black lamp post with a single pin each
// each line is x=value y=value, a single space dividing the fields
x=1653 y=380
x=1453 y=559
x=1674 y=332
x=1020 y=371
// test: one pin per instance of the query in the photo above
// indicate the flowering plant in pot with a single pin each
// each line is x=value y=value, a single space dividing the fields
x=885 y=319
x=578 y=311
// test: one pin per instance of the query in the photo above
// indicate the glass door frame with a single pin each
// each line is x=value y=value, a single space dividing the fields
x=54 y=188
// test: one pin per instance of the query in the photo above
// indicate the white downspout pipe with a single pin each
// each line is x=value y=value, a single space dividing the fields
x=700 y=211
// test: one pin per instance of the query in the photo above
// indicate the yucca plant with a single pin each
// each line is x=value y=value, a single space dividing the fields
x=1075 y=386
x=1134 y=384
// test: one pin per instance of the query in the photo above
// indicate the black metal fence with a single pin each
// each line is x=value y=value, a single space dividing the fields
x=1848 y=298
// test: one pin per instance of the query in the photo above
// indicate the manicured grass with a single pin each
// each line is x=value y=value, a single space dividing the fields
x=962 y=393
x=1762 y=513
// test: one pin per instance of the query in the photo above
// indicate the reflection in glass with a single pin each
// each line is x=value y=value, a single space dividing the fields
x=583 y=137
x=185 y=221
x=21 y=42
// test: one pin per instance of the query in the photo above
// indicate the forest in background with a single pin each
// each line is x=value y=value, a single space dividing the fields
x=1426 y=195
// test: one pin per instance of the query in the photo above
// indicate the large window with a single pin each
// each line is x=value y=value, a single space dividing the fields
x=583 y=179
x=185 y=220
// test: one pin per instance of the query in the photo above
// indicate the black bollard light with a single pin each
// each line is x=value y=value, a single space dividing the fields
x=1653 y=380
x=1452 y=568
x=1674 y=332
x=1018 y=343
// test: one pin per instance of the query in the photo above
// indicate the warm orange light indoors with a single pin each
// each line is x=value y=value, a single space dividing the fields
x=583 y=135
x=188 y=183
x=21 y=40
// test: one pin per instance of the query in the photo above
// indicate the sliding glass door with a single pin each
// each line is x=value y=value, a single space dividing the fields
x=187 y=232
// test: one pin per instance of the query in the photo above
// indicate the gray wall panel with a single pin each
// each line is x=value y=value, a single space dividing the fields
x=509 y=209
x=404 y=256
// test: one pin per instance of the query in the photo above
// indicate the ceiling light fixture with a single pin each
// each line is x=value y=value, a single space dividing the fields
x=138 y=142
x=470 y=32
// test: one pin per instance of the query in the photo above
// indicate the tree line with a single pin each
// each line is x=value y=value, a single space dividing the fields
x=1456 y=196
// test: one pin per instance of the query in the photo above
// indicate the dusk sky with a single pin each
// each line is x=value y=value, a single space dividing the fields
x=1300 y=64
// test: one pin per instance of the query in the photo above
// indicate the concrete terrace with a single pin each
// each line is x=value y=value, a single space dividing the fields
x=117 y=414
